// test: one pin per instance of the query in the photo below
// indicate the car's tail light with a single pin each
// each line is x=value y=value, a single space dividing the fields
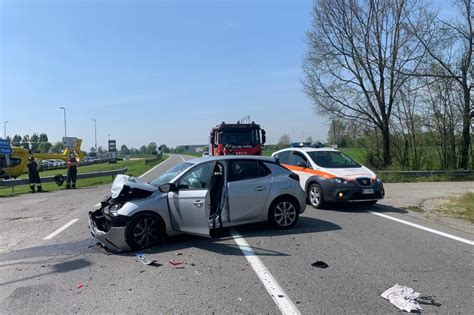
x=294 y=176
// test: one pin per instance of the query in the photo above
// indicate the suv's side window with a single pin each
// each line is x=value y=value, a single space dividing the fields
x=242 y=170
x=283 y=157
x=196 y=178
x=298 y=159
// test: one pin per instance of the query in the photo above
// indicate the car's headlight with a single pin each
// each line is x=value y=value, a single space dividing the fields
x=378 y=180
x=338 y=180
x=113 y=210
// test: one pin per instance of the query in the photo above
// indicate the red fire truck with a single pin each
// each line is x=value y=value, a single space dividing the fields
x=238 y=139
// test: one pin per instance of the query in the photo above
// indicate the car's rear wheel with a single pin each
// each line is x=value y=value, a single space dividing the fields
x=315 y=196
x=283 y=213
x=144 y=231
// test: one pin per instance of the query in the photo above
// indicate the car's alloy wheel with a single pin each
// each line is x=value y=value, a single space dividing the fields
x=315 y=196
x=143 y=232
x=284 y=214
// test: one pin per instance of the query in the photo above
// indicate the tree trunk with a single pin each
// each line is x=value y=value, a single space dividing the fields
x=465 y=135
x=387 y=157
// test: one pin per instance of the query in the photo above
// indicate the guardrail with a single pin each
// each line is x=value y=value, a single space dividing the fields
x=50 y=179
x=455 y=173
x=153 y=160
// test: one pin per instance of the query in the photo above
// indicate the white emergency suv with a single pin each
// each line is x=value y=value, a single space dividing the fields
x=328 y=175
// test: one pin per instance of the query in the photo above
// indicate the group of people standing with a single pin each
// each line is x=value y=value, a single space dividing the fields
x=35 y=180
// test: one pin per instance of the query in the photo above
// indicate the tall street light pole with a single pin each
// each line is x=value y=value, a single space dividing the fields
x=95 y=134
x=64 y=109
x=5 y=129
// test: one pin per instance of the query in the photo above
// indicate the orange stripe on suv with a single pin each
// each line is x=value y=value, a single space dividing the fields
x=309 y=171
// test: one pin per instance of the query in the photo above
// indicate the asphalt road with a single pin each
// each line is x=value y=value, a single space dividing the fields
x=366 y=253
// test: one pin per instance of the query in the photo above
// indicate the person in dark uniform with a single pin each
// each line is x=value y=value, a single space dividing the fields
x=71 y=171
x=33 y=175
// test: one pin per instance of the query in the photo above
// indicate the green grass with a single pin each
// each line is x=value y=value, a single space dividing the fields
x=135 y=168
x=414 y=208
x=460 y=207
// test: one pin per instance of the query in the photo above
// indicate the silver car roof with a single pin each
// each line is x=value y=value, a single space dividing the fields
x=232 y=157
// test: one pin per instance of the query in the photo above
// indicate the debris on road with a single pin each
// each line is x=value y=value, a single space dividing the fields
x=144 y=259
x=403 y=297
x=178 y=254
x=80 y=285
x=427 y=300
x=320 y=264
x=176 y=262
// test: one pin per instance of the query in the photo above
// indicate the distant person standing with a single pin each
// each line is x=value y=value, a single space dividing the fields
x=33 y=175
x=72 y=164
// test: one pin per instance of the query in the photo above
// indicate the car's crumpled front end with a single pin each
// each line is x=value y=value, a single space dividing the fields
x=105 y=224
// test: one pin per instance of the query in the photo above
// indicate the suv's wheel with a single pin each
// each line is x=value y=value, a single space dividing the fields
x=144 y=231
x=283 y=213
x=315 y=196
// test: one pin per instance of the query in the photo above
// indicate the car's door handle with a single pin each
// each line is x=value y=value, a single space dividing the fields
x=260 y=188
x=198 y=203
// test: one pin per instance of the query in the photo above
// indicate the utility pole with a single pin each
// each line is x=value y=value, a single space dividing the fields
x=5 y=129
x=95 y=134
x=64 y=109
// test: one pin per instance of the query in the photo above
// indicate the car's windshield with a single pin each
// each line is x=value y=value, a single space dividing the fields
x=239 y=137
x=170 y=174
x=332 y=159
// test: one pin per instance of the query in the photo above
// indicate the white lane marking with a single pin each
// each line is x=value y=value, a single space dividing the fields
x=277 y=293
x=62 y=228
x=460 y=239
x=153 y=168
x=182 y=158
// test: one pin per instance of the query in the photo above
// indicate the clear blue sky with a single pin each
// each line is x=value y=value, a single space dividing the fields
x=163 y=71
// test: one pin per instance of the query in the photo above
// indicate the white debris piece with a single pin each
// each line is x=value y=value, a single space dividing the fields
x=402 y=297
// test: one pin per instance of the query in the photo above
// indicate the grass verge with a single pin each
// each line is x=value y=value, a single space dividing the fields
x=461 y=207
x=135 y=168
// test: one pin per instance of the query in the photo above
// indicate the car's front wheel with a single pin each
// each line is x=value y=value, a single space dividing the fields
x=315 y=196
x=283 y=213
x=144 y=231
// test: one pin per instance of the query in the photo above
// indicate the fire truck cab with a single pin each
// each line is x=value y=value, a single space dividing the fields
x=237 y=139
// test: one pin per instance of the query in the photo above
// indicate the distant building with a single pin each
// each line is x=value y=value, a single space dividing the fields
x=192 y=148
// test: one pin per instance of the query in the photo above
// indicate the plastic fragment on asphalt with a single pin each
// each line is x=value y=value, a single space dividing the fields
x=144 y=259
x=176 y=262
x=403 y=297
x=80 y=285
x=320 y=264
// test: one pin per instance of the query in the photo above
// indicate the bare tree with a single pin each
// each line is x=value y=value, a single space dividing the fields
x=449 y=45
x=356 y=52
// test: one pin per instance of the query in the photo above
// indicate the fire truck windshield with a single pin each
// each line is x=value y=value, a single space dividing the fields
x=239 y=137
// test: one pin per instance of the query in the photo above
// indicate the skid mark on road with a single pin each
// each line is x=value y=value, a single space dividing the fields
x=277 y=293
x=424 y=228
x=62 y=228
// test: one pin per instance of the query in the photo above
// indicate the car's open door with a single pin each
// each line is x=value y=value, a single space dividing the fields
x=189 y=204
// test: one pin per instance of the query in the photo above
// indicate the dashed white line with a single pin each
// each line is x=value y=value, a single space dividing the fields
x=277 y=293
x=153 y=168
x=424 y=228
x=62 y=228
x=182 y=158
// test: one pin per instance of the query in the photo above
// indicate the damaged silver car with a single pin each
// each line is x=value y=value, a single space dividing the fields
x=195 y=197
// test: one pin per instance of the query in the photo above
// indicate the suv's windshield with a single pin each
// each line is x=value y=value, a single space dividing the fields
x=332 y=159
x=170 y=174
x=239 y=137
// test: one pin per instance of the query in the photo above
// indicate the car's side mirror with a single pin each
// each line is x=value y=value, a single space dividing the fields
x=264 y=137
x=167 y=187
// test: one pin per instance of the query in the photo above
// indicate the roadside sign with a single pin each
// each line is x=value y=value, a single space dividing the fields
x=112 y=151
x=69 y=142
x=5 y=147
